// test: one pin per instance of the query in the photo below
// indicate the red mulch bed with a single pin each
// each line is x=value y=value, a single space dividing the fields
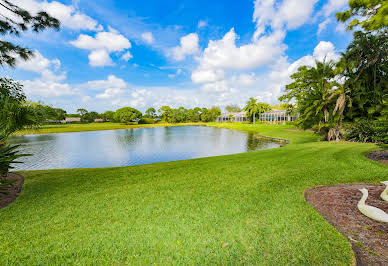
x=338 y=204
x=13 y=190
x=379 y=156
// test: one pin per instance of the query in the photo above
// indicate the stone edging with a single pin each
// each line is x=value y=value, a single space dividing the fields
x=274 y=139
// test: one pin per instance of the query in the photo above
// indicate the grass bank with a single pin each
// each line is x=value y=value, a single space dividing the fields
x=237 y=209
x=63 y=128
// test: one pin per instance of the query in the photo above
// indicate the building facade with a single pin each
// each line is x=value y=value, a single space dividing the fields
x=277 y=117
x=232 y=117
x=71 y=120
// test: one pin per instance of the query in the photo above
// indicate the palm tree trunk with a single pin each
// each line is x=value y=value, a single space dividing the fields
x=253 y=118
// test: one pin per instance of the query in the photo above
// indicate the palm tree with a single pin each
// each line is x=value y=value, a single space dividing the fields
x=365 y=67
x=251 y=108
x=15 y=116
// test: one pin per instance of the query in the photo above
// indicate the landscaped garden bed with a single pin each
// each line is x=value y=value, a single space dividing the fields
x=379 y=156
x=338 y=204
x=12 y=191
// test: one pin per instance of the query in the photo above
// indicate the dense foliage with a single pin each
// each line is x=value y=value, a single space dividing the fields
x=180 y=115
x=127 y=114
x=364 y=66
x=368 y=131
x=14 y=115
x=371 y=15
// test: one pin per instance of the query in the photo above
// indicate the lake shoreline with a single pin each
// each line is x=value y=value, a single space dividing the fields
x=135 y=146
x=69 y=128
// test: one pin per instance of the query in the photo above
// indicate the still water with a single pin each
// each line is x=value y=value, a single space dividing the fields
x=132 y=146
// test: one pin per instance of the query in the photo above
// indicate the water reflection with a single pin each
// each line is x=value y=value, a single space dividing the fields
x=133 y=146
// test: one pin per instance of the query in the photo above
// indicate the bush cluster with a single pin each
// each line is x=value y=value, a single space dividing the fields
x=368 y=131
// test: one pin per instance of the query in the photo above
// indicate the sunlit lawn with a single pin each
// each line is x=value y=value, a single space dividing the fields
x=237 y=209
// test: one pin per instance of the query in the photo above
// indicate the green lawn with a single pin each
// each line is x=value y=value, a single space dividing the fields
x=183 y=212
x=63 y=128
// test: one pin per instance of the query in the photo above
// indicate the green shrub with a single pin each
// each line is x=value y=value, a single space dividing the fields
x=145 y=120
x=368 y=131
x=9 y=155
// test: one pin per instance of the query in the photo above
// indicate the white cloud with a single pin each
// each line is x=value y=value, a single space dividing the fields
x=86 y=99
x=113 y=87
x=225 y=54
x=147 y=37
x=111 y=82
x=127 y=56
x=178 y=72
x=259 y=68
x=333 y=6
x=100 y=58
x=202 y=24
x=326 y=50
x=247 y=79
x=205 y=75
x=341 y=28
x=49 y=83
x=37 y=63
x=323 y=51
x=323 y=25
x=218 y=86
x=110 y=93
x=110 y=41
x=47 y=88
x=102 y=45
x=289 y=13
x=188 y=46
x=295 y=13
x=69 y=15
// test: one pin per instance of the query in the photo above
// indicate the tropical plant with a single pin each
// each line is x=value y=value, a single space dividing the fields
x=370 y=15
x=365 y=130
x=321 y=100
x=15 y=115
x=8 y=156
x=13 y=21
x=254 y=108
x=12 y=89
x=364 y=67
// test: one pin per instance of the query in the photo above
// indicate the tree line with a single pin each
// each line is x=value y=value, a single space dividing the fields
x=151 y=115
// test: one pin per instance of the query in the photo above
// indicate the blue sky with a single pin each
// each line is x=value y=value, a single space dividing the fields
x=109 y=54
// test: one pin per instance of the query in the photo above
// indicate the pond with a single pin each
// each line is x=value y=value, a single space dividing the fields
x=126 y=147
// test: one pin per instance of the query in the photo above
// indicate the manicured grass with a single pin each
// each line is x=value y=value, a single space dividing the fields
x=63 y=128
x=184 y=212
